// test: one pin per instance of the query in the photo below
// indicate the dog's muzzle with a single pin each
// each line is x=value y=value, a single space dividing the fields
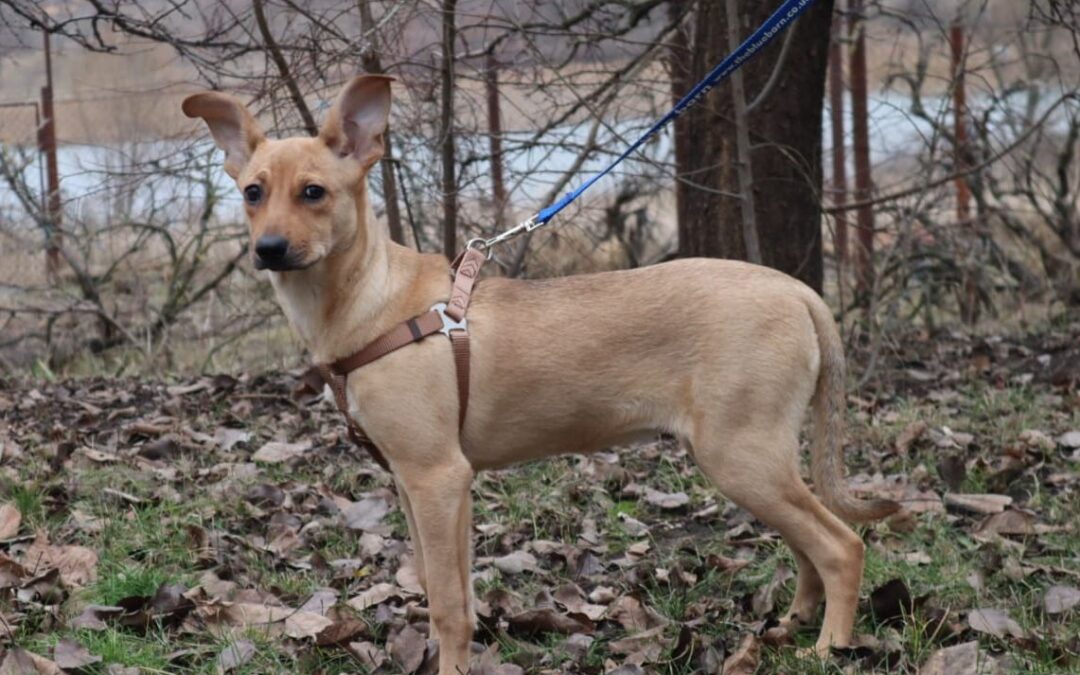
x=272 y=253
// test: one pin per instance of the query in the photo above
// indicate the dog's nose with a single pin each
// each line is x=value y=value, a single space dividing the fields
x=271 y=248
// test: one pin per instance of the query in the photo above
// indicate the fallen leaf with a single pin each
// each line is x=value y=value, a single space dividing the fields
x=300 y=625
x=516 y=562
x=71 y=655
x=1060 y=599
x=235 y=655
x=366 y=514
x=666 y=500
x=93 y=617
x=226 y=438
x=979 y=503
x=368 y=654
x=1070 y=439
x=634 y=615
x=994 y=622
x=546 y=620
x=908 y=436
x=962 y=659
x=376 y=595
x=746 y=658
x=276 y=452
x=765 y=597
x=1012 y=521
x=891 y=601
x=10 y=520
x=407 y=649
x=19 y=661
x=77 y=564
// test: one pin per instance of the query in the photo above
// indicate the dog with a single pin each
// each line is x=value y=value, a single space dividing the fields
x=724 y=355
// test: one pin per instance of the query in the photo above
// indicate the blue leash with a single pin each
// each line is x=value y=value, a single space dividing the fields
x=773 y=26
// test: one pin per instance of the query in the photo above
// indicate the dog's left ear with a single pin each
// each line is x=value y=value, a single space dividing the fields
x=357 y=122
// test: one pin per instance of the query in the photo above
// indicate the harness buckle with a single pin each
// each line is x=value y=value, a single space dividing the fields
x=449 y=324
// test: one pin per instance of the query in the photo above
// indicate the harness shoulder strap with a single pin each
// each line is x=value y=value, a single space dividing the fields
x=446 y=318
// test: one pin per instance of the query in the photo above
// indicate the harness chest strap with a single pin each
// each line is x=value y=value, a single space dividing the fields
x=446 y=318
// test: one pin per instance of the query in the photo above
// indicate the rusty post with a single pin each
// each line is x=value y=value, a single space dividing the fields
x=47 y=142
x=963 y=191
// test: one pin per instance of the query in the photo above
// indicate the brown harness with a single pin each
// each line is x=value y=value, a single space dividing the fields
x=447 y=318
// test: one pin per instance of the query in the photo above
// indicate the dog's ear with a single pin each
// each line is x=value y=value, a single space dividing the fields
x=234 y=129
x=357 y=122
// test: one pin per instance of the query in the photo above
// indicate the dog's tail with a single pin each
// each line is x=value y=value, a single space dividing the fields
x=826 y=465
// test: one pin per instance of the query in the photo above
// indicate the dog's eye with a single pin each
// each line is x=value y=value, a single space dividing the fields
x=314 y=193
x=252 y=194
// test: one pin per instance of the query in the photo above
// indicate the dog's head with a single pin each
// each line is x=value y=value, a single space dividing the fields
x=301 y=194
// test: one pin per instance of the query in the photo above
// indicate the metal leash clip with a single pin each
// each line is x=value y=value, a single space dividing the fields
x=523 y=227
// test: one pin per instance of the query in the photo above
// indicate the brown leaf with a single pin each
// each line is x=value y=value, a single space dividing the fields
x=891 y=601
x=962 y=659
x=366 y=514
x=746 y=658
x=368 y=654
x=908 y=436
x=516 y=562
x=1013 y=521
x=340 y=632
x=407 y=649
x=71 y=655
x=979 y=503
x=572 y=598
x=18 y=661
x=633 y=615
x=666 y=500
x=93 y=617
x=235 y=655
x=1060 y=599
x=276 y=452
x=226 y=438
x=12 y=573
x=546 y=620
x=765 y=597
x=10 y=520
x=376 y=595
x=300 y=625
x=77 y=564
x=994 y=622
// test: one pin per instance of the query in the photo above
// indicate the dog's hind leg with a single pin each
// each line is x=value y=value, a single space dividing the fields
x=758 y=471
x=439 y=494
x=809 y=592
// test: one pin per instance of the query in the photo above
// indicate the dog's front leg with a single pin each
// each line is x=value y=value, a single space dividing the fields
x=414 y=535
x=440 y=498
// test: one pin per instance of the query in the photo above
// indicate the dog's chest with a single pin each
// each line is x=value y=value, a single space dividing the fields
x=301 y=304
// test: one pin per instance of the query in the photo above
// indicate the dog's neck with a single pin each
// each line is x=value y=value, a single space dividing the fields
x=360 y=290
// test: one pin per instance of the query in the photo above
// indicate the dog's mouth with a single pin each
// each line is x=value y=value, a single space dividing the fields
x=286 y=264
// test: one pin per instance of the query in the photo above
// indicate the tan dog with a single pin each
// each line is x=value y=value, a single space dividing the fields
x=724 y=355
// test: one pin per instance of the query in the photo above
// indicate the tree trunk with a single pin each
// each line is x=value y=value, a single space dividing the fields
x=495 y=132
x=839 y=154
x=860 y=129
x=785 y=134
x=449 y=170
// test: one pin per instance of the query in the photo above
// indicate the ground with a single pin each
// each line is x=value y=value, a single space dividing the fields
x=225 y=524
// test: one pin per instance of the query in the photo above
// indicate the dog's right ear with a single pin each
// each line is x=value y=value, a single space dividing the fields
x=234 y=129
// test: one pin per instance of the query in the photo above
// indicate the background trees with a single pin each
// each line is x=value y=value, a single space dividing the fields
x=503 y=106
